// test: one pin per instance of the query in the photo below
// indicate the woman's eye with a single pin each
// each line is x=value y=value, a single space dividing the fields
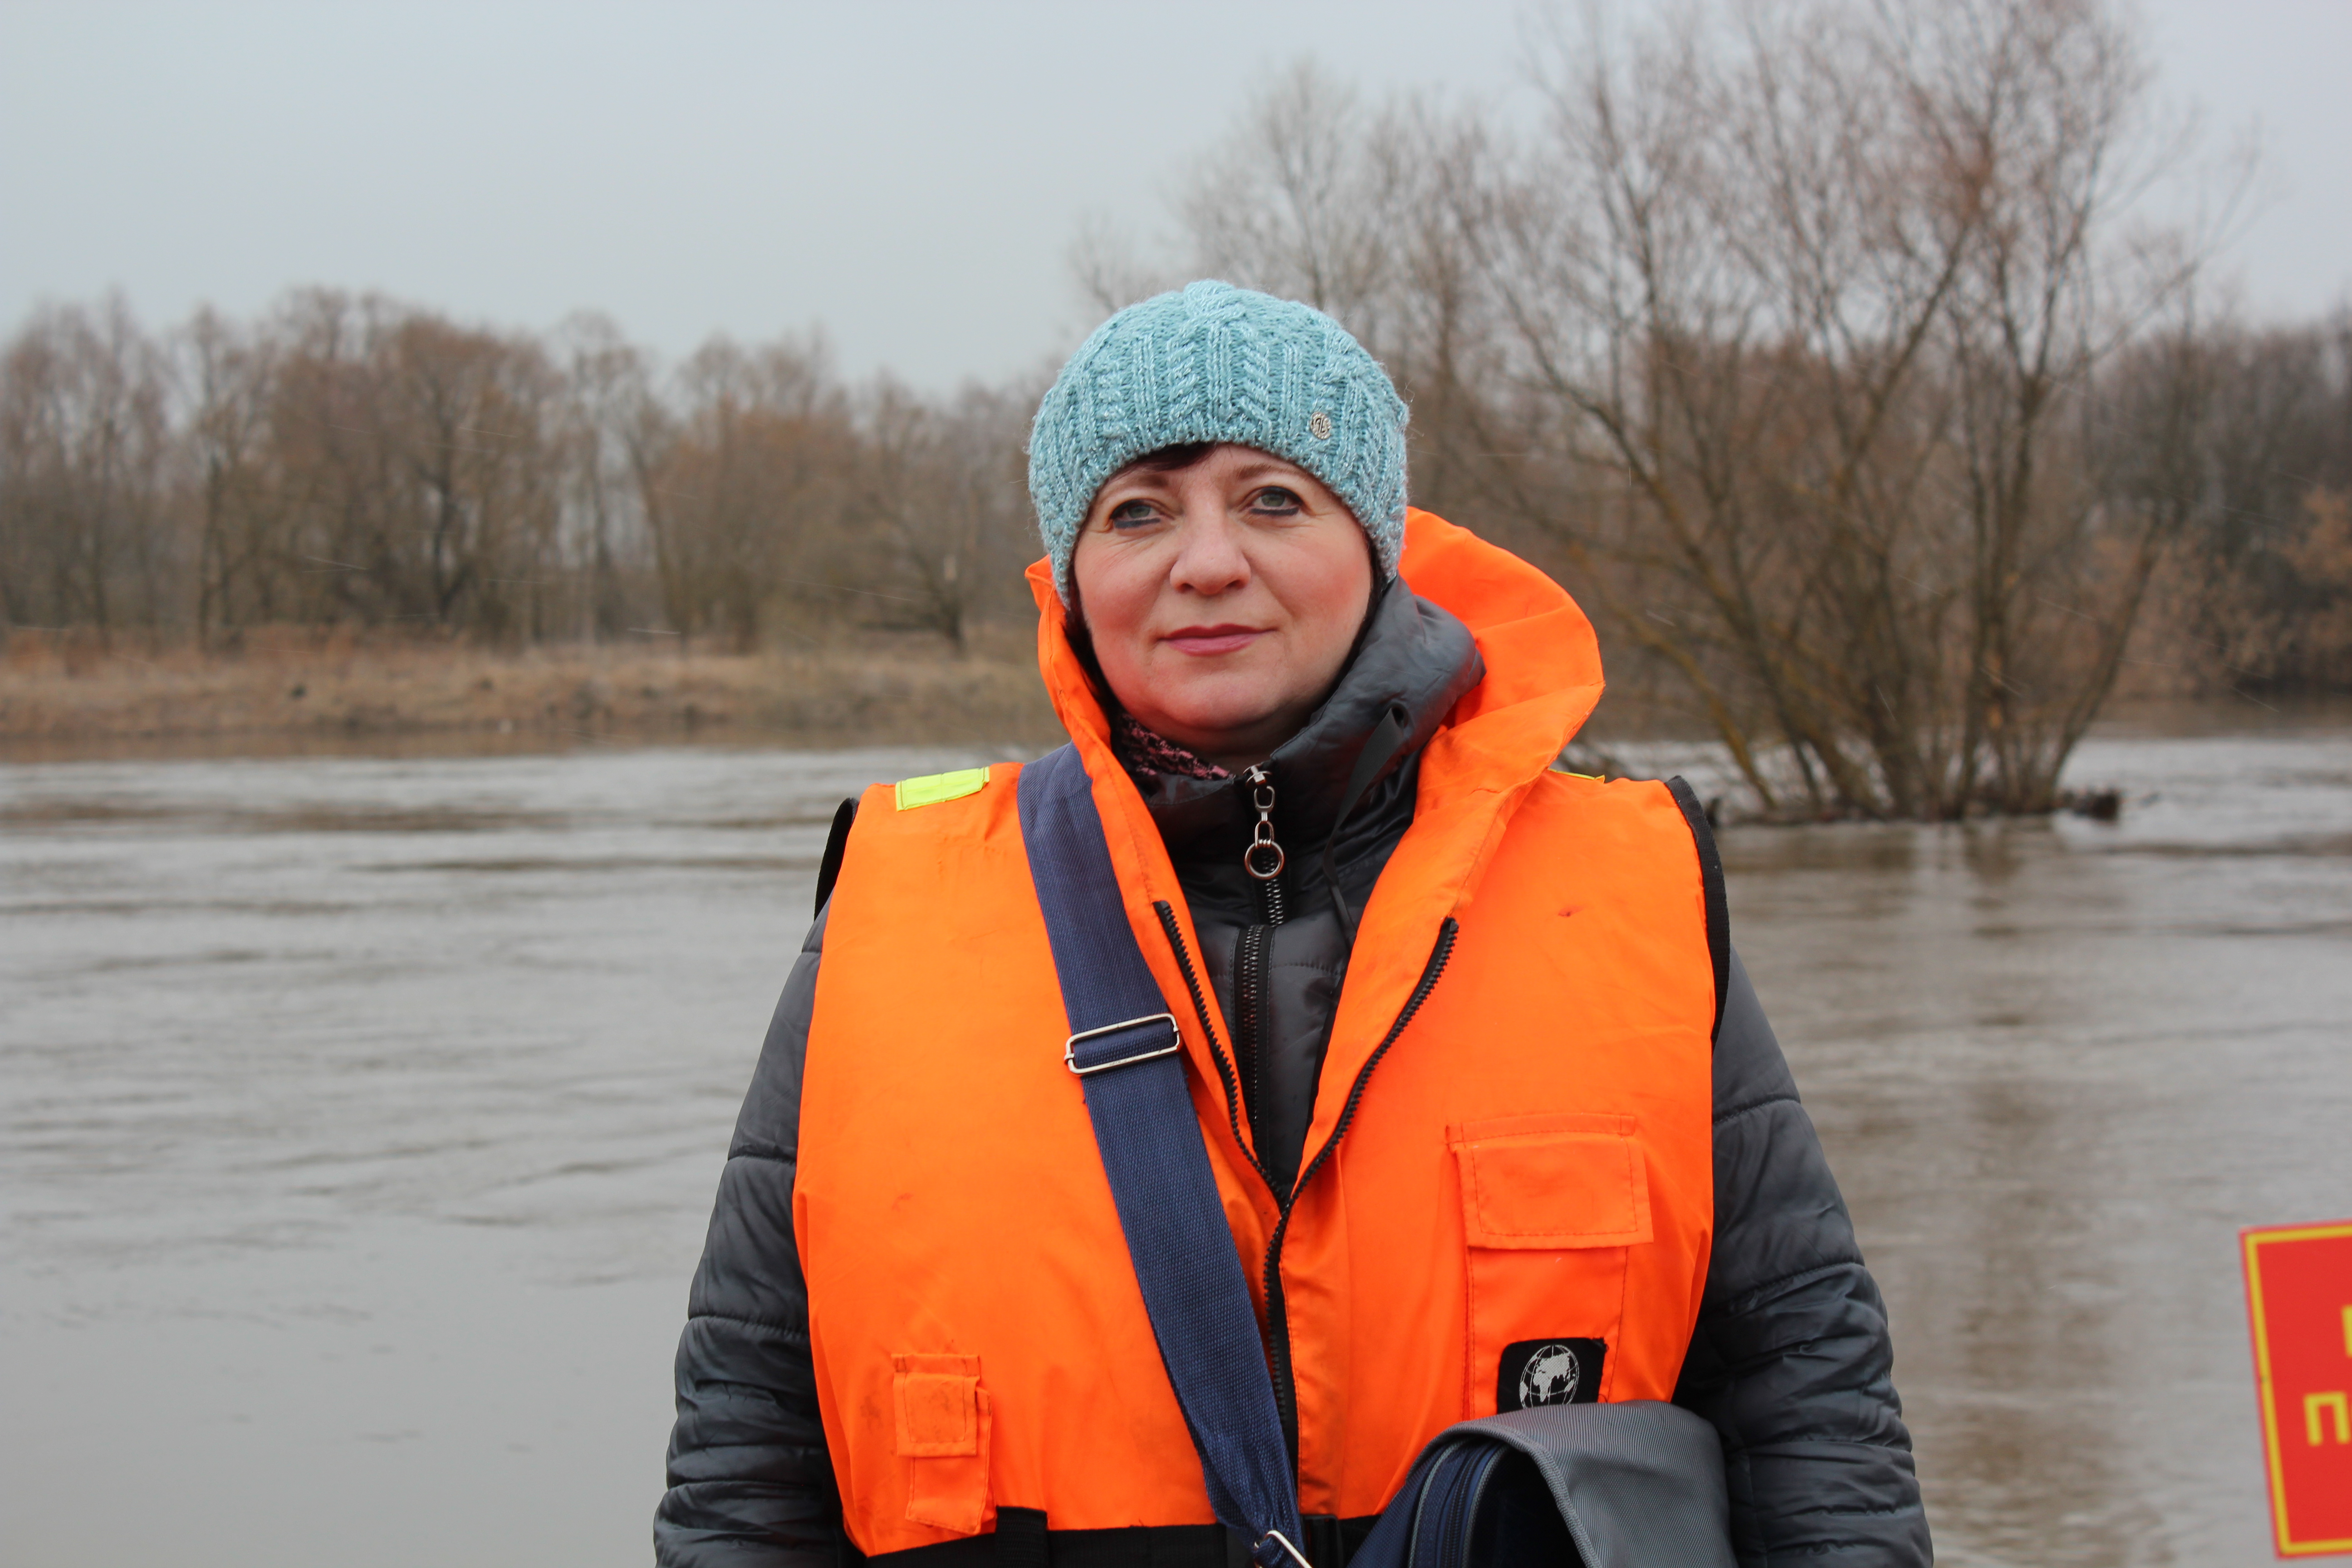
x=1129 y=513
x=1273 y=498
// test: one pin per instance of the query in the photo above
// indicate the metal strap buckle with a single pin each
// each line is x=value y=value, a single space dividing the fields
x=1259 y=1555
x=1070 y=1048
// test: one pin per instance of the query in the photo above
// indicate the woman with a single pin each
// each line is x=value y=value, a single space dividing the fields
x=1492 y=1110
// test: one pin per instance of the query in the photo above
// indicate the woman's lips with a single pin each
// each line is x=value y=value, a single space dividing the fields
x=1205 y=640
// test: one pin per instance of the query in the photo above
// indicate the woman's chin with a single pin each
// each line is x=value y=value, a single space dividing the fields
x=1215 y=727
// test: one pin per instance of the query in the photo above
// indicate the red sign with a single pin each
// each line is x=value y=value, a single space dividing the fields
x=2299 y=1294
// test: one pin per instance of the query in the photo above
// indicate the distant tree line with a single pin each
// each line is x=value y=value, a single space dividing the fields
x=1819 y=348
x=1815 y=346
x=350 y=460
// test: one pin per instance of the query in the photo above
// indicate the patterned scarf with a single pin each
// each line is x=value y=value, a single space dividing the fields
x=1147 y=753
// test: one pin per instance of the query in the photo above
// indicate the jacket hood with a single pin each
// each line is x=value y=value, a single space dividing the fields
x=1540 y=679
x=1535 y=678
x=1413 y=658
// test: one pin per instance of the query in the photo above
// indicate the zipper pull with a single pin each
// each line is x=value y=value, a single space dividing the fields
x=1264 y=857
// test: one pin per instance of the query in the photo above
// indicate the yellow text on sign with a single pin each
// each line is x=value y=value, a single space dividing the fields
x=2314 y=1403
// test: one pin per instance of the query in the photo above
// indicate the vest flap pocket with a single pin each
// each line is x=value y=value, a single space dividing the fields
x=943 y=1432
x=1552 y=1181
x=939 y=1404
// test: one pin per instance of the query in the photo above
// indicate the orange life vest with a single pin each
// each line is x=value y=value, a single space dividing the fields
x=1524 y=1187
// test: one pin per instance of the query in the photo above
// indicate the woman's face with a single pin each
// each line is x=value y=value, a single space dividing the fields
x=1223 y=597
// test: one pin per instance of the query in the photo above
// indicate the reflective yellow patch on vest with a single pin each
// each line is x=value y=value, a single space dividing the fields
x=933 y=788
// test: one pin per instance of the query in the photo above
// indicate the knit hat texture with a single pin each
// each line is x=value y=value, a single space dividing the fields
x=1213 y=363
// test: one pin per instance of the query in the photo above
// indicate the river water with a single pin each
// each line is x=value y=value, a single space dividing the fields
x=360 y=1116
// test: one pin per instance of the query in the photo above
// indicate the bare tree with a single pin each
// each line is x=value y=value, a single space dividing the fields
x=244 y=556
x=743 y=488
x=607 y=396
x=1785 y=330
x=420 y=460
x=2262 y=462
x=1360 y=210
x=1110 y=269
x=943 y=501
x=86 y=529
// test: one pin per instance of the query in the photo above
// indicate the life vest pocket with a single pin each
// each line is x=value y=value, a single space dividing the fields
x=943 y=1438
x=1550 y=1203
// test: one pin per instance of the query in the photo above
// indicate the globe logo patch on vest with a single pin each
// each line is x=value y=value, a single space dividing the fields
x=1536 y=1372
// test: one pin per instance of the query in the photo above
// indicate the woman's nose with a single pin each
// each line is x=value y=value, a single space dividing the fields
x=1209 y=555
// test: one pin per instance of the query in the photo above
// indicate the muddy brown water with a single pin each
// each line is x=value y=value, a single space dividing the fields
x=360 y=1116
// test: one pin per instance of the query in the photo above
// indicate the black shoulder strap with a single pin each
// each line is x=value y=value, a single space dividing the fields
x=1130 y=1062
x=828 y=870
x=1719 y=908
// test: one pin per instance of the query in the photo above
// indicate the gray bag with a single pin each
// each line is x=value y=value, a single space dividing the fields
x=1634 y=1485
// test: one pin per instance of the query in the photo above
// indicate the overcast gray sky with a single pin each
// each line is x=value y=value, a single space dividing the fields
x=908 y=174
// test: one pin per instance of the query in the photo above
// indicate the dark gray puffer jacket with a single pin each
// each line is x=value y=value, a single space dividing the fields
x=1791 y=1359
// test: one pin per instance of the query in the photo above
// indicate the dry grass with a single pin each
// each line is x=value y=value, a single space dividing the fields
x=289 y=682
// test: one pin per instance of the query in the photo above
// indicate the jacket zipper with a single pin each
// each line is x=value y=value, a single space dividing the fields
x=1167 y=913
x=1264 y=859
x=1277 y=1317
x=1249 y=1021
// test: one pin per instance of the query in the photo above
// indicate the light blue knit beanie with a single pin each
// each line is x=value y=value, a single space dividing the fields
x=1213 y=363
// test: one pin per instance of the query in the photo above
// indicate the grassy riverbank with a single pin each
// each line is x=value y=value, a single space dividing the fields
x=876 y=690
